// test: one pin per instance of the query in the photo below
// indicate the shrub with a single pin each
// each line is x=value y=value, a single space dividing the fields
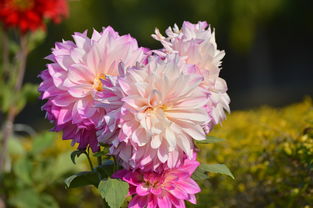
x=270 y=152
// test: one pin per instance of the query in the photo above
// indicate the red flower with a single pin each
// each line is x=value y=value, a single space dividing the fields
x=29 y=15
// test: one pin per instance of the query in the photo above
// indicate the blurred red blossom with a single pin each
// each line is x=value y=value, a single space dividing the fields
x=29 y=15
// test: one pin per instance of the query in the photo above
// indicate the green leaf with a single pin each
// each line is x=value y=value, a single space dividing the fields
x=106 y=169
x=13 y=47
x=216 y=168
x=28 y=92
x=61 y=166
x=82 y=179
x=200 y=175
x=42 y=142
x=25 y=198
x=32 y=199
x=5 y=97
x=22 y=169
x=75 y=154
x=210 y=140
x=101 y=153
x=36 y=38
x=113 y=191
x=47 y=201
x=15 y=146
x=54 y=168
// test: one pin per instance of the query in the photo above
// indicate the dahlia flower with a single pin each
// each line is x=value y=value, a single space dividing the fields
x=166 y=190
x=110 y=99
x=197 y=44
x=29 y=15
x=74 y=77
x=162 y=113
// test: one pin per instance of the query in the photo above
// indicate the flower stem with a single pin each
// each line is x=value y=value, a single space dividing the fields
x=99 y=160
x=115 y=164
x=89 y=160
x=8 y=126
x=7 y=131
x=22 y=66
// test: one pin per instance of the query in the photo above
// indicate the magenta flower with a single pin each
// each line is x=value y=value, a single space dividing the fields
x=162 y=113
x=74 y=77
x=197 y=44
x=165 y=190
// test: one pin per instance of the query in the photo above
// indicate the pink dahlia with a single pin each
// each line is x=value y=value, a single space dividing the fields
x=197 y=44
x=74 y=77
x=162 y=113
x=166 y=190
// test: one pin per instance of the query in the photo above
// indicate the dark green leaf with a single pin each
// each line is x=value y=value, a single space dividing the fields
x=82 y=179
x=216 y=168
x=199 y=175
x=75 y=154
x=106 y=169
x=210 y=140
x=113 y=191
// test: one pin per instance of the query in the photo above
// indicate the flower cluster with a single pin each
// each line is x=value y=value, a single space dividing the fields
x=29 y=15
x=148 y=106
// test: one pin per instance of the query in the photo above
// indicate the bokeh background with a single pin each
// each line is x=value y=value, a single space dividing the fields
x=268 y=62
x=268 y=43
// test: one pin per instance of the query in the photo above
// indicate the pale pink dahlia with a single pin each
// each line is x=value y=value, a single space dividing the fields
x=110 y=99
x=74 y=77
x=197 y=44
x=166 y=190
x=162 y=113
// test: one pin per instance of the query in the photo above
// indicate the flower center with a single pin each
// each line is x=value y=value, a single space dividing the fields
x=97 y=82
x=153 y=109
x=22 y=4
x=152 y=184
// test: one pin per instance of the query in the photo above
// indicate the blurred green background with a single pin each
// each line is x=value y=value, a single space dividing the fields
x=268 y=61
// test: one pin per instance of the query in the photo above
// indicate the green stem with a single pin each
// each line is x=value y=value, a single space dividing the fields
x=99 y=160
x=22 y=60
x=8 y=127
x=89 y=160
x=115 y=164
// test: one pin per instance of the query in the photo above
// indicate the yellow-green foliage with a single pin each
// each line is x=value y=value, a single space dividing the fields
x=270 y=152
x=35 y=174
